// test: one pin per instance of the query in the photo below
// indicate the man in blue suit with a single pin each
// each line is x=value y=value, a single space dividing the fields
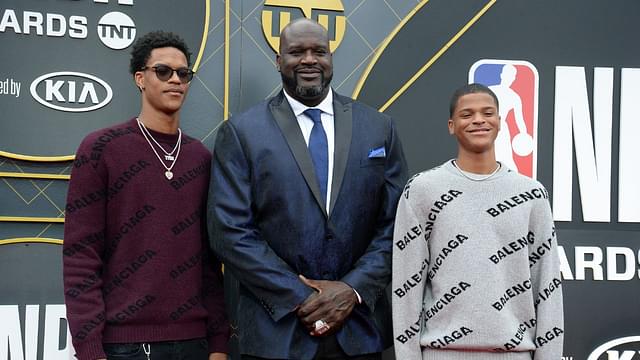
x=302 y=202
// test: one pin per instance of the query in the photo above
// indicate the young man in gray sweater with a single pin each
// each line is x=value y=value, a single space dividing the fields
x=475 y=262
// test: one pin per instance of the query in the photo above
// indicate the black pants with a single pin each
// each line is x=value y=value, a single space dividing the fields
x=195 y=349
x=329 y=349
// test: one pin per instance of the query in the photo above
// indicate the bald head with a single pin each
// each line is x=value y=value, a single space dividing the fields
x=304 y=61
x=303 y=27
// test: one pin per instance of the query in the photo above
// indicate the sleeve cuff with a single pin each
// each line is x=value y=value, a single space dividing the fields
x=218 y=344
x=90 y=351
x=358 y=296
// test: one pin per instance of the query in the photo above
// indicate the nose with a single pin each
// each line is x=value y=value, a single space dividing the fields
x=174 y=77
x=309 y=57
x=478 y=118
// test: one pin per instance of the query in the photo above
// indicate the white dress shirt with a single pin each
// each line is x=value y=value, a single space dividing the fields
x=306 y=124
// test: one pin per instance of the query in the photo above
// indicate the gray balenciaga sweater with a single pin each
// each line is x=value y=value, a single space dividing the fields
x=475 y=269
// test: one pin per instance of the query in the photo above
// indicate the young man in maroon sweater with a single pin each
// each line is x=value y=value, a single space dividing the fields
x=139 y=279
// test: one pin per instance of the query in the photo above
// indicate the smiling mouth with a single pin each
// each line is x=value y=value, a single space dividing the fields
x=308 y=75
x=307 y=71
x=481 y=131
x=174 y=91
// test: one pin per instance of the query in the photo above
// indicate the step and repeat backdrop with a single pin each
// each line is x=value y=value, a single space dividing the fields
x=567 y=75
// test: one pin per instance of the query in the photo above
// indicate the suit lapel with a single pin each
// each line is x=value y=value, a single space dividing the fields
x=286 y=120
x=343 y=123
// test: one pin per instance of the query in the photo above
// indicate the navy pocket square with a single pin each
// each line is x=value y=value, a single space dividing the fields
x=377 y=153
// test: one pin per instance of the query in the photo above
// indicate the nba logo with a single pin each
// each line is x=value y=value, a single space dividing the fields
x=515 y=83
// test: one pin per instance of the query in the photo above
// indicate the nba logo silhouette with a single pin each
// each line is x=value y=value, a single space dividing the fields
x=515 y=83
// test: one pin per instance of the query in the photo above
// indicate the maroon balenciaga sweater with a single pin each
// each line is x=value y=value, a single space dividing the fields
x=137 y=265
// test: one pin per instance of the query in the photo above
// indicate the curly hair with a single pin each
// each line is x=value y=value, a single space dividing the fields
x=156 y=39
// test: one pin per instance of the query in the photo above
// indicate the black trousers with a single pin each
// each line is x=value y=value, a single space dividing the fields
x=195 y=349
x=329 y=349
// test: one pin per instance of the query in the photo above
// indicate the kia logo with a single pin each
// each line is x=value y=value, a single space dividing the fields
x=71 y=91
x=607 y=347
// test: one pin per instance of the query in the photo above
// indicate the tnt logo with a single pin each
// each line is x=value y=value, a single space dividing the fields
x=516 y=85
x=116 y=30
x=276 y=14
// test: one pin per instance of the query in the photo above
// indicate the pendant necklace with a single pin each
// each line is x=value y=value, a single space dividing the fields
x=168 y=155
x=479 y=178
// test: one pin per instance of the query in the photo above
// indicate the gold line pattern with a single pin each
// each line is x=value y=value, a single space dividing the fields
x=267 y=56
x=383 y=47
x=213 y=53
x=355 y=69
x=34 y=176
x=42 y=192
x=199 y=63
x=260 y=3
x=360 y=35
x=220 y=22
x=225 y=99
x=43 y=230
x=234 y=13
x=61 y=158
x=204 y=85
x=392 y=10
x=16 y=192
x=31 y=241
x=436 y=56
x=31 y=219
x=205 y=33
x=355 y=8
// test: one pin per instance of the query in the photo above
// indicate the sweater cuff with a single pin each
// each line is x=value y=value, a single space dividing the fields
x=90 y=350
x=218 y=344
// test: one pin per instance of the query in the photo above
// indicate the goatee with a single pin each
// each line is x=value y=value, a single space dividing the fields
x=306 y=92
x=309 y=91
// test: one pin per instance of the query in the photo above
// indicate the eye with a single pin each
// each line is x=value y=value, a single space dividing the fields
x=185 y=74
x=163 y=70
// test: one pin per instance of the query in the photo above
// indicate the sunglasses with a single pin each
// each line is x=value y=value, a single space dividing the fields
x=164 y=72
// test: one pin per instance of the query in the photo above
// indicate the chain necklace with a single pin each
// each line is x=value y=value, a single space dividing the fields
x=168 y=174
x=167 y=155
x=462 y=172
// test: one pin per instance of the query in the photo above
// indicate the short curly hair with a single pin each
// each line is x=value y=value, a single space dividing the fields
x=156 y=39
x=470 y=89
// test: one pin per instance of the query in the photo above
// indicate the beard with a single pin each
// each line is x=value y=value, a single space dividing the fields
x=306 y=92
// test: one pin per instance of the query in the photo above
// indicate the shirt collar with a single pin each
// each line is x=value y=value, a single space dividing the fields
x=298 y=108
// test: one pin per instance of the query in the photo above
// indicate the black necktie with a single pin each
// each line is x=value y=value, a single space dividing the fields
x=319 y=150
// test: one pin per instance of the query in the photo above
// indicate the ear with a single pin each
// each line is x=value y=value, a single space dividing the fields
x=278 y=59
x=138 y=77
x=499 y=122
x=450 y=126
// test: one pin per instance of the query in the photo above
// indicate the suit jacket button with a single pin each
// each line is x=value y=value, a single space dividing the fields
x=326 y=275
x=329 y=237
